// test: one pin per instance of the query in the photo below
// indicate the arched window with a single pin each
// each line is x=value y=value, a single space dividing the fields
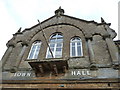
x=55 y=46
x=76 y=47
x=34 y=50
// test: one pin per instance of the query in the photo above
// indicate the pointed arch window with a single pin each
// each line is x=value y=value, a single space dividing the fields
x=33 y=54
x=55 y=45
x=76 y=47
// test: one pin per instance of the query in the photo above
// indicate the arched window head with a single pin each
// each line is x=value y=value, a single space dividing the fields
x=55 y=46
x=76 y=47
x=33 y=54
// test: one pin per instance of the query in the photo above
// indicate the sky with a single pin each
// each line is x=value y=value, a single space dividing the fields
x=24 y=13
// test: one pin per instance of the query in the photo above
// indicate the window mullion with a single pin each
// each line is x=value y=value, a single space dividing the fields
x=35 y=52
x=76 y=51
x=30 y=52
x=61 y=47
x=70 y=49
x=81 y=49
x=55 y=49
x=48 y=51
x=55 y=45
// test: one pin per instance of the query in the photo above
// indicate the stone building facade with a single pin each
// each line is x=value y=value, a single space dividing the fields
x=62 y=53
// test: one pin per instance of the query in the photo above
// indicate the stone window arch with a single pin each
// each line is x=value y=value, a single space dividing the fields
x=34 y=51
x=76 y=47
x=55 y=45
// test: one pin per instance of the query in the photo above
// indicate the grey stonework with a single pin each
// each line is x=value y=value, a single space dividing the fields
x=97 y=41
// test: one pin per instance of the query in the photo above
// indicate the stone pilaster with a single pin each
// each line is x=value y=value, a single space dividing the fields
x=19 y=58
x=113 y=51
x=91 y=55
x=6 y=55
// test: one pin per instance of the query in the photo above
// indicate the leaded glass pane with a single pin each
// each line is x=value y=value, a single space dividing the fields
x=59 y=40
x=79 y=43
x=59 y=44
x=52 y=45
x=58 y=49
x=73 y=44
x=73 y=51
x=52 y=40
x=79 y=50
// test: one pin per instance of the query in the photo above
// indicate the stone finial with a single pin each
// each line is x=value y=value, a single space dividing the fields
x=19 y=30
x=102 y=20
x=59 y=11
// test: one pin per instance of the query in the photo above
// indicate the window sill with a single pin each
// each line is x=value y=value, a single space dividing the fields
x=31 y=59
x=53 y=58
x=77 y=57
x=45 y=59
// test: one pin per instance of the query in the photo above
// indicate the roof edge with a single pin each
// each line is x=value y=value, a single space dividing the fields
x=92 y=21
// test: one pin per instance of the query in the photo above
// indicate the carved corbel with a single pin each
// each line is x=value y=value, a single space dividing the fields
x=41 y=70
x=25 y=43
x=106 y=36
x=93 y=66
x=11 y=43
x=55 y=69
x=64 y=69
x=13 y=69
